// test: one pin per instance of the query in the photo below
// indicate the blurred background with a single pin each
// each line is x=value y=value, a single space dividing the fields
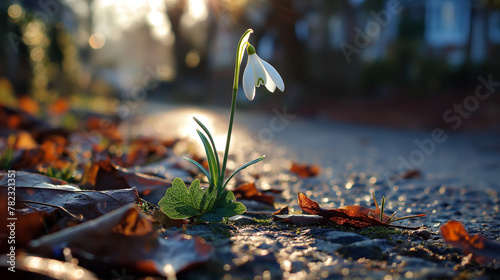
x=398 y=63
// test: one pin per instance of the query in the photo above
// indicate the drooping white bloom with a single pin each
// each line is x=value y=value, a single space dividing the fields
x=258 y=72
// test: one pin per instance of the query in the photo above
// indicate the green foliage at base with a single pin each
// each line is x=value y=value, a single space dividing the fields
x=181 y=202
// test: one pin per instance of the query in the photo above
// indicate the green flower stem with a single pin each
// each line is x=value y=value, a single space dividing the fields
x=229 y=131
x=237 y=64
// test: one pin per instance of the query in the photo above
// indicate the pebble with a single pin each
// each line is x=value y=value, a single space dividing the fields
x=342 y=237
x=370 y=249
x=422 y=233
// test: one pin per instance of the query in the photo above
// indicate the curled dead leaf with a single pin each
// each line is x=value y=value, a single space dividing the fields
x=352 y=216
x=282 y=211
x=483 y=249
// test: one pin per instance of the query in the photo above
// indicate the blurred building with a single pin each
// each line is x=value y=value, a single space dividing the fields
x=184 y=49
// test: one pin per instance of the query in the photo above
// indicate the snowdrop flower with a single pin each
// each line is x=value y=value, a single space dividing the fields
x=258 y=72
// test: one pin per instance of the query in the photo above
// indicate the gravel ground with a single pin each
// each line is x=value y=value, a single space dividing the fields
x=459 y=180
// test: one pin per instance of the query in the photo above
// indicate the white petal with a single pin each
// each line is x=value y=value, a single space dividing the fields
x=259 y=72
x=248 y=81
x=270 y=85
x=274 y=75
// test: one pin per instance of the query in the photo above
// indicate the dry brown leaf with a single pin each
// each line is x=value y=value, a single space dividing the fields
x=282 y=211
x=89 y=204
x=28 y=105
x=249 y=191
x=46 y=153
x=353 y=216
x=106 y=125
x=54 y=192
x=24 y=141
x=125 y=237
x=409 y=174
x=144 y=150
x=305 y=170
x=26 y=226
x=105 y=175
x=483 y=249
x=16 y=119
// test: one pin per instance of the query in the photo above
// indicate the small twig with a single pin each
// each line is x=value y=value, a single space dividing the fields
x=403 y=227
x=408 y=217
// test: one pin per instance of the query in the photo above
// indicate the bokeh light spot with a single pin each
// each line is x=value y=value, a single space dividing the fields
x=97 y=40
x=192 y=59
x=15 y=11
x=37 y=54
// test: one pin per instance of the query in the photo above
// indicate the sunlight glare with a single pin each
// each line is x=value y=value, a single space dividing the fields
x=196 y=11
x=112 y=17
x=188 y=130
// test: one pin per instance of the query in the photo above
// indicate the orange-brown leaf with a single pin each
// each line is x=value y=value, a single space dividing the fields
x=483 y=249
x=304 y=170
x=28 y=105
x=369 y=212
x=59 y=107
x=250 y=191
x=353 y=216
x=24 y=141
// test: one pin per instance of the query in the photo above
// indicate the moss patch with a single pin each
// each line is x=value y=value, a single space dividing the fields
x=379 y=232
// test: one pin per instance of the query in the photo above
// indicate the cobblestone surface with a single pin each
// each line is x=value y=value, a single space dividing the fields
x=459 y=180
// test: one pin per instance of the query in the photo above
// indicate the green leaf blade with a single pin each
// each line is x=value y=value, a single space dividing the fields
x=211 y=140
x=212 y=163
x=243 y=167
x=199 y=167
